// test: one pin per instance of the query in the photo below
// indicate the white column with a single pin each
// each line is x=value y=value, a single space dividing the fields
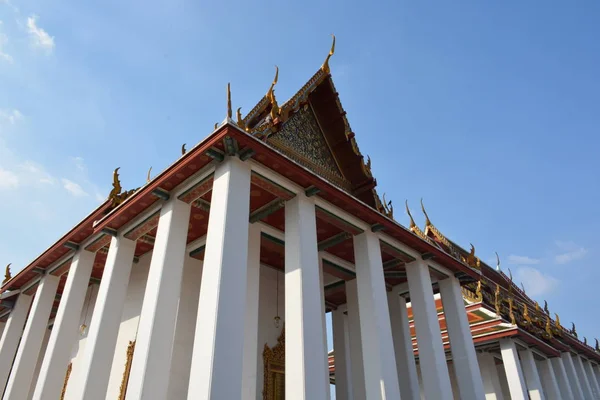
x=149 y=376
x=489 y=375
x=355 y=341
x=582 y=376
x=2 y=325
x=323 y=316
x=532 y=378
x=405 y=358
x=596 y=370
x=562 y=378
x=19 y=381
x=572 y=374
x=343 y=380
x=97 y=357
x=432 y=358
x=65 y=328
x=305 y=347
x=11 y=336
x=587 y=364
x=185 y=328
x=381 y=376
x=461 y=341
x=38 y=364
x=549 y=380
x=251 y=316
x=512 y=367
x=217 y=360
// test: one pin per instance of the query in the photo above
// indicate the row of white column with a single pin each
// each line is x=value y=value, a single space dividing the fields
x=357 y=337
x=568 y=377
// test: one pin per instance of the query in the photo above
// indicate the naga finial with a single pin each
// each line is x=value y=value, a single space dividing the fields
x=388 y=208
x=510 y=274
x=585 y=340
x=573 y=330
x=522 y=287
x=325 y=66
x=368 y=162
x=272 y=87
x=546 y=310
x=412 y=221
x=7 y=274
x=240 y=120
x=548 y=328
x=148 y=177
x=427 y=220
x=229 y=112
x=597 y=346
x=557 y=321
x=116 y=190
x=497 y=262
x=216 y=125
x=183 y=150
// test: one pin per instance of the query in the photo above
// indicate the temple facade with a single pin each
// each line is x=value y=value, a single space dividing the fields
x=214 y=278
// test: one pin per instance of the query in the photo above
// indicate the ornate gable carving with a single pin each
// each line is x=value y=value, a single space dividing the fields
x=301 y=139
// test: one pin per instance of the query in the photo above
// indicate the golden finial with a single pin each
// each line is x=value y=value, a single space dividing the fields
x=546 y=308
x=427 y=221
x=557 y=321
x=7 y=274
x=388 y=208
x=116 y=190
x=229 y=112
x=325 y=66
x=478 y=293
x=183 y=150
x=537 y=307
x=412 y=221
x=526 y=314
x=216 y=125
x=510 y=311
x=240 y=120
x=272 y=87
x=497 y=262
x=148 y=177
x=497 y=299
x=548 y=327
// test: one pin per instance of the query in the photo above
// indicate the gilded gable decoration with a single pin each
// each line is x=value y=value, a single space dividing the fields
x=325 y=67
x=127 y=371
x=471 y=260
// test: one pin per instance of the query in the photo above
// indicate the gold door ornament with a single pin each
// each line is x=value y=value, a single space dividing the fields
x=125 y=379
x=274 y=370
x=67 y=375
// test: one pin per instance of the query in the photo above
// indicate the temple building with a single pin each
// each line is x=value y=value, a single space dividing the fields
x=214 y=278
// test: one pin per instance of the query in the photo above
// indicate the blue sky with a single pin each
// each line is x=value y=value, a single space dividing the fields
x=490 y=111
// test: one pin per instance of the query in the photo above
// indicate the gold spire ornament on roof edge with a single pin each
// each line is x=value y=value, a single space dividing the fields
x=597 y=346
x=148 y=177
x=183 y=150
x=239 y=119
x=412 y=221
x=325 y=66
x=275 y=80
x=7 y=274
x=497 y=262
x=388 y=208
x=427 y=220
x=229 y=111
x=546 y=310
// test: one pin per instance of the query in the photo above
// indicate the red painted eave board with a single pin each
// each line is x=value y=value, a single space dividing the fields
x=58 y=249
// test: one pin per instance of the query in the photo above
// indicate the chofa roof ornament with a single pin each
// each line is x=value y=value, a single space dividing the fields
x=7 y=274
x=325 y=66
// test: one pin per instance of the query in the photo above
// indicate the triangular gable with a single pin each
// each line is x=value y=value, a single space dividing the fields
x=312 y=129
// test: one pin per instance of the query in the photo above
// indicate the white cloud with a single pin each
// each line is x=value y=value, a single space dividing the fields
x=569 y=252
x=522 y=260
x=79 y=164
x=536 y=283
x=35 y=174
x=39 y=37
x=3 y=41
x=73 y=188
x=11 y=116
x=8 y=179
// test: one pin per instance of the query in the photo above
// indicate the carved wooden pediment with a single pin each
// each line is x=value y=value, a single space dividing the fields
x=274 y=370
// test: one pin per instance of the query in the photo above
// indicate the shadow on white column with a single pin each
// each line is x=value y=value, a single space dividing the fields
x=65 y=329
x=305 y=347
x=251 y=316
x=587 y=366
x=218 y=354
x=21 y=375
x=562 y=378
x=514 y=373
x=12 y=335
x=489 y=375
x=532 y=377
x=149 y=376
x=343 y=379
x=405 y=358
x=582 y=376
x=464 y=358
x=549 y=380
x=432 y=357
x=94 y=368
x=576 y=389
x=355 y=341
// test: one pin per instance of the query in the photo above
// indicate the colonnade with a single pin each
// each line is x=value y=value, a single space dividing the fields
x=372 y=342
